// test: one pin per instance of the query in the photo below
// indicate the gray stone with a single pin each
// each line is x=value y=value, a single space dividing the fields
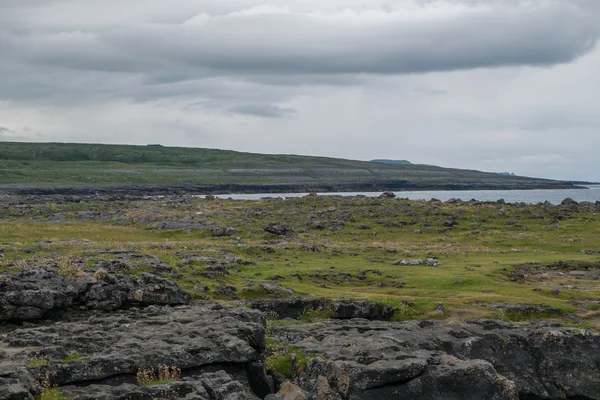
x=483 y=359
x=33 y=293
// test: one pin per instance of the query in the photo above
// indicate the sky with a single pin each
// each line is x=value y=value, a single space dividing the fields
x=493 y=85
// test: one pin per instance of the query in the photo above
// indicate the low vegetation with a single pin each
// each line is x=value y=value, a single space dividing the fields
x=49 y=391
x=38 y=362
x=69 y=164
x=72 y=357
x=286 y=360
x=163 y=375
x=483 y=257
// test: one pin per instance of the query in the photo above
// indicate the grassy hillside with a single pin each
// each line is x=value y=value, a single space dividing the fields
x=67 y=164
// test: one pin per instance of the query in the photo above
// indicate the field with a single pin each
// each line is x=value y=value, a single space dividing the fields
x=333 y=247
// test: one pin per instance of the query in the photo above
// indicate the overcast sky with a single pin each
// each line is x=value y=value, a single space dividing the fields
x=495 y=85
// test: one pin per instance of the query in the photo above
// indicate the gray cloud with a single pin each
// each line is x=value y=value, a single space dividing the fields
x=263 y=110
x=262 y=39
x=489 y=84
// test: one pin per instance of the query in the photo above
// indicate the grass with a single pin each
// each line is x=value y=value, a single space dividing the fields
x=476 y=247
x=284 y=359
x=49 y=391
x=39 y=164
x=162 y=376
x=38 y=362
x=72 y=357
x=52 y=393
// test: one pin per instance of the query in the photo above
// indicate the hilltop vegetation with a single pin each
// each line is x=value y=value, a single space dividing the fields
x=67 y=164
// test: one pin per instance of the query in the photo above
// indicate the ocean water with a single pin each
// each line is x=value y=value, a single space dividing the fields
x=592 y=194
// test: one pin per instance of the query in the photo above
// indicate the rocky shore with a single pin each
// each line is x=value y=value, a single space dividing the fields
x=91 y=334
x=375 y=186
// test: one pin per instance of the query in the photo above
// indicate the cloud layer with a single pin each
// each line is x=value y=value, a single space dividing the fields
x=478 y=77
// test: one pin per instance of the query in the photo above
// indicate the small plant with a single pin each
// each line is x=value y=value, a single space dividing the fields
x=49 y=391
x=38 y=362
x=164 y=375
x=66 y=266
x=323 y=312
x=285 y=359
x=20 y=265
x=72 y=357
x=281 y=362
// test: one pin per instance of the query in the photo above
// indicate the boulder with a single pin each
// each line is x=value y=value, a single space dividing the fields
x=278 y=228
x=288 y=391
x=276 y=290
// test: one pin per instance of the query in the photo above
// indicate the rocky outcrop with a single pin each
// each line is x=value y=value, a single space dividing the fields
x=96 y=351
x=483 y=359
x=205 y=386
x=218 y=350
x=37 y=292
x=337 y=309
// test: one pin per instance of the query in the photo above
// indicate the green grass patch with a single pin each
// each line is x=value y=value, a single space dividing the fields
x=38 y=362
x=72 y=357
x=52 y=393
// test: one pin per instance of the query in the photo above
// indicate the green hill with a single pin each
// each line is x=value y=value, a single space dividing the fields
x=98 y=165
x=386 y=161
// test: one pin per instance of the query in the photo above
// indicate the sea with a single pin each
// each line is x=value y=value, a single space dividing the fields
x=591 y=194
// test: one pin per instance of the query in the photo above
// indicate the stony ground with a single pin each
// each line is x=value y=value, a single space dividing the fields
x=316 y=298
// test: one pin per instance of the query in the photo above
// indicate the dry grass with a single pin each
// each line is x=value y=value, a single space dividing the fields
x=163 y=375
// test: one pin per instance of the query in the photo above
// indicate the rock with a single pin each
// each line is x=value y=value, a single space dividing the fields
x=278 y=228
x=203 y=386
x=227 y=291
x=483 y=359
x=340 y=309
x=114 y=266
x=416 y=262
x=401 y=262
x=317 y=225
x=431 y=262
x=17 y=385
x=439 y=309
x=34 y=293
x=288 y=391
x=219 y=231
x=387 y=194
x=346 y=309
x=213 y=271
x=461 y=380
x=322 y=389
x=287 y=308
x=523 y=309
x=202 y=289
x=569 y=202
x=201 y=338
x=276 y=290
